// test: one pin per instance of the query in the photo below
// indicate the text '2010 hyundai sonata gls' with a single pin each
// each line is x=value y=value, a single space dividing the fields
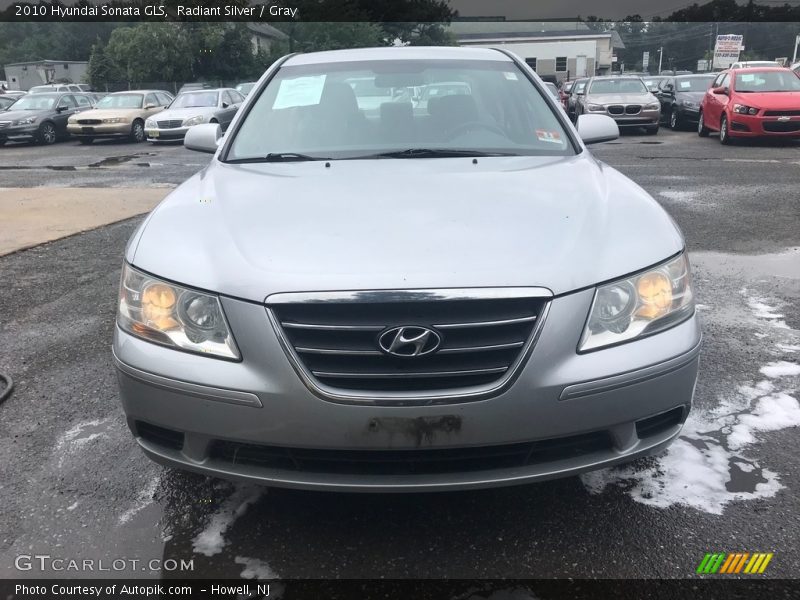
x=366 y=292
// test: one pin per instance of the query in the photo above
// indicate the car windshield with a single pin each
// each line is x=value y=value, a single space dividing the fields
x=618 y=86
x=424 y=107
x=121 y=101
x=36 y=102
x=767 y=81
x=195 y=99
x=693 y=84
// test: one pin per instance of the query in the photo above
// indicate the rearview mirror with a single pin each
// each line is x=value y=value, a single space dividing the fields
x=203 y=138
x=596 y=128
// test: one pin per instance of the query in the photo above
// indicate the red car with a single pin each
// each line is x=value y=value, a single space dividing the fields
x=754 y=102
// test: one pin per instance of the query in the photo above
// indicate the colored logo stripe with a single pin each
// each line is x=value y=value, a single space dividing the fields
x=736 y=562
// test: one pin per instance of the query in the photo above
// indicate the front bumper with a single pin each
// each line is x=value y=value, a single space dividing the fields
x=260 y=406
x=19 y=132
x=101 y=130
x=759 y=126
x=165 y=135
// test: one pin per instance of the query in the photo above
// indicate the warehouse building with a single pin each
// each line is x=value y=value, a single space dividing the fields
x=25 y=75
x=554 y=49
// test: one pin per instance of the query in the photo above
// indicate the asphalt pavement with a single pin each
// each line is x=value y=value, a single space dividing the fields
x=73 y=484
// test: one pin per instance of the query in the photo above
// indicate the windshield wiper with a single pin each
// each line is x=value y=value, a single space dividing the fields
x=278 y=157
x=432 y=153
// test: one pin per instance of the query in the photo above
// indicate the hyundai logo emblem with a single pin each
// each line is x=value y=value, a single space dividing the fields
x=409 y=341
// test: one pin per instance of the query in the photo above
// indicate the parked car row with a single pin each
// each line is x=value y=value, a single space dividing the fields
x=752 y=99
x=45 y=117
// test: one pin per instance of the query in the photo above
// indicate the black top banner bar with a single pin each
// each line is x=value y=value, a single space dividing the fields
x=388 y=11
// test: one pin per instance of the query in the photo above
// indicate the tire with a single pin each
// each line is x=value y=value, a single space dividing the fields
x=674 y=120
x=46 y=134
x=724 y=133
x=137 y=131
x=652 y=130
x=86 y=140
x=702 y=130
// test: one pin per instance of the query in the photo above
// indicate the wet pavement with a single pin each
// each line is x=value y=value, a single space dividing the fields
x=74 y=485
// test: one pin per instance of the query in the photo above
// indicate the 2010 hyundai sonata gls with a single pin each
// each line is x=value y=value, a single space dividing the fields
x=364 y=291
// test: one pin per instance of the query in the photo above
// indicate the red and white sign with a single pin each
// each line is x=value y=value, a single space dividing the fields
x=726 y=51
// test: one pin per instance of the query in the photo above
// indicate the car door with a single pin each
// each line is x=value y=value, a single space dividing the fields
x=714 y=103
x=151 y=104
x=227 y=109
x=66 y=107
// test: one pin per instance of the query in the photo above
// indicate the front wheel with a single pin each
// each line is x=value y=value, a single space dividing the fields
x=702 y=130
x=137 y=132
x=674 y=120
x=724 y=134
x=47 y=134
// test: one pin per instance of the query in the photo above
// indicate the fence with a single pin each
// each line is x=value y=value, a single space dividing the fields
x=167 y=86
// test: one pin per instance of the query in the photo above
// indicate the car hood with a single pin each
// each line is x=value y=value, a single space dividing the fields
x=644 y=98
x=185 y=113
x=13 y=115
x=251 y=230
x=770 y=100
x=108 y=113
x=695 y=97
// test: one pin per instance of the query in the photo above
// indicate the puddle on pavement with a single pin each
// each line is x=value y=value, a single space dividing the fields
x=781 y=264
x=113 y=161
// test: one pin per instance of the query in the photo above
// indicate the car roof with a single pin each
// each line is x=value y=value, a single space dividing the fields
x=398 y=53
x=138 y=92
x=758 y=69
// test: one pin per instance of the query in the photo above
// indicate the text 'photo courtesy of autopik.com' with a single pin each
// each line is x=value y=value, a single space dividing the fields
x=391 y=299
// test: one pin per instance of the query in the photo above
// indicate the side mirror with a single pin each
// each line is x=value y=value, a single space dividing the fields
x=203 y=138
x=60 y=109
x=720 y=90
x=596 y=128
x=149 y=106
x=225 y=105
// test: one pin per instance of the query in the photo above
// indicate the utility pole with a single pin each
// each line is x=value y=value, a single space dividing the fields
x=796 y=43
x=660 y=54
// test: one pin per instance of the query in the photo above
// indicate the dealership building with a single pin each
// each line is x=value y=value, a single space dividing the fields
x=25 y=75
x=556 y=49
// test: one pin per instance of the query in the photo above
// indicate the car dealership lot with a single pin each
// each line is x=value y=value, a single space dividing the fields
x=74 y=484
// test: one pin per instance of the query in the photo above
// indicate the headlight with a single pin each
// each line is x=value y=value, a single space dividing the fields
x=640 y=305
x=194 y=120
x=150 y=124
x=653 y=106
x=744 y=110
x=114 y=120
x=27 y=121
x=595 y=108
x=172 y=315
x=689 y=104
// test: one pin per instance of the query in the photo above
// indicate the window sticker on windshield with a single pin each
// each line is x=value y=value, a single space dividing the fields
x=548 y=136
x=510 y=75
x=300 y=91
x=748 y=77
x=685 y=85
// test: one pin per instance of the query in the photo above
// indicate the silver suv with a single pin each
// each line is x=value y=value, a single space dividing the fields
x=404 y=297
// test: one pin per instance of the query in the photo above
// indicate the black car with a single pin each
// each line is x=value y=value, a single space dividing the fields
x=572 y=100
x=41 y=117
x=680 y=99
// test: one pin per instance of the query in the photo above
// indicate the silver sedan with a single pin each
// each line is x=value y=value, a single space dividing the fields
x=193 y=108
x=625 y=99
x=408 y=298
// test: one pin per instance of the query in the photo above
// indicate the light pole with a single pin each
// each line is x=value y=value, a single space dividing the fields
x=796 y=43
x=660 y=54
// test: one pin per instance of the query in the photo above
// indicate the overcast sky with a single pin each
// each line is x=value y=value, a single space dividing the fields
x=553 y=9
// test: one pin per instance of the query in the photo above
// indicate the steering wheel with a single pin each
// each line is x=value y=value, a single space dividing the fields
x=470 y=125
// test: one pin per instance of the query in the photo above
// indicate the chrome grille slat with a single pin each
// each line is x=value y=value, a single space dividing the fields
x=334 y=341
x=413 y=373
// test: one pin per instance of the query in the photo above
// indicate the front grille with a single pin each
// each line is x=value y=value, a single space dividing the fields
x=162 y=436
x=616 y=109
x=781 y=127
x=4 y=124
x=481 y=341
x=782 y=113
x=633 y=109
x=89 y=121
x=410 y=462
x=171 y=124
